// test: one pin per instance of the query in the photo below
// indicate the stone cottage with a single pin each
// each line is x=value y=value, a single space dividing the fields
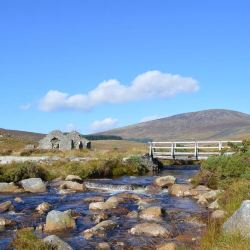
x=58 y=140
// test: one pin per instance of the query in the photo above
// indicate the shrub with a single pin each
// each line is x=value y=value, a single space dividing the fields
x=223 y=169
x=26 y=240
x=16 y=172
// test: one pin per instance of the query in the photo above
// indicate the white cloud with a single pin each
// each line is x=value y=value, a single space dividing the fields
x=150 y=118
x=25 y=107
x=102 y=125
x=149 y=85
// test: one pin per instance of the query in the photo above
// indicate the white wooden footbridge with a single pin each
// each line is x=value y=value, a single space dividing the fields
x=193 y=150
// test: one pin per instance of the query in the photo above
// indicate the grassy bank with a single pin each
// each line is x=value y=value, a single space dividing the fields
x=112 y=167
x=232 y=175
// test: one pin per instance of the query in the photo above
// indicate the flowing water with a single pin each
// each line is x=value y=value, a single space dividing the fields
x=177 y=216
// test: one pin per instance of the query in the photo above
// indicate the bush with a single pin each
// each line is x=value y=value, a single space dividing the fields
x=5 y=152
x=26 y=240
x=16 y=172
x=224 y=169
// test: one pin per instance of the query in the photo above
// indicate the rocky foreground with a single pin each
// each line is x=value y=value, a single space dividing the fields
x=143 y=215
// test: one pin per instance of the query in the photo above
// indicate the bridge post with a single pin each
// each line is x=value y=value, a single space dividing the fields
x=172 y=150
x=220 y=147
x=150 y=150
x=196 y=150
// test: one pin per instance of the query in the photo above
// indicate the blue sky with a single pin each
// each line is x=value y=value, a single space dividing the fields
x=97 y=64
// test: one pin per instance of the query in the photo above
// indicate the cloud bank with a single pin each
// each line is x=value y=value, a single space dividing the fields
x=149 y=85
x=102 y=125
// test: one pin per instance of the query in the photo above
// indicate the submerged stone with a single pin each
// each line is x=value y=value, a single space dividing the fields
x=56 y=243
x=149 y=229
x=99 y=229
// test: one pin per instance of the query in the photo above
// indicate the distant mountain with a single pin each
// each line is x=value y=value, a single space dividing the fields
x=207 y=124
x=22 y=135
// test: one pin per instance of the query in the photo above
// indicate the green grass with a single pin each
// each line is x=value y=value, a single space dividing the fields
x=232 y=174
x=112 y=167
x=26 y=240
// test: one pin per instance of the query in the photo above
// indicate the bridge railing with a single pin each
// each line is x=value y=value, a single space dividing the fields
x=190 y=149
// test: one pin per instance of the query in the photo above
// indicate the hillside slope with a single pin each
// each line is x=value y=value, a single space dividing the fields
x=22 y=135
x=207 y=124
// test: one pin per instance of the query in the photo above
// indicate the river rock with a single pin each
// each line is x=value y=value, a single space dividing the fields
x=167 y=246
x=149 y=229
x=165 y=181
x=179 y=189
x=99 y=229
x=239 y=222
x=133 y=215
x=56 y=243
x=73 y=186
x=199 y=190
x=210 y=196
x=153 y=189
x=9 y=188
x=94 y=199
x=115 y=199
x=18 y=200
x=97 y=218
x=5 y=206
x=73 y=178
x=218 y=214
x=5 y=222
x=103 y=246
x=129 y=196
x=59 y=221
x=102 y=205
x=151 y=213
x=214 y=205
x=43 y=207
x=202 y=201
x=33 y=185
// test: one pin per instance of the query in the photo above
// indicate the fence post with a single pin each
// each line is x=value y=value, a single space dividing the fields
x=220 y=147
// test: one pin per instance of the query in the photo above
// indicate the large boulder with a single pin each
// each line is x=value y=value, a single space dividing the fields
x=239 y=222
x=73 y=185
x=165 y=181
x=59 y=221
x=33 y=185
x=151 y=213
x=149 y=229
x=5 y=206
x=99 y=229
x=56 y=243
x=179 y=189
x=9 y=188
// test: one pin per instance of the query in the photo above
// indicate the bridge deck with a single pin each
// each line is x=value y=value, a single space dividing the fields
x=193 y=150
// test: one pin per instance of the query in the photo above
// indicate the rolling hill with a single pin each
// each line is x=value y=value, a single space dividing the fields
x=202 y=125
x=21 y=135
